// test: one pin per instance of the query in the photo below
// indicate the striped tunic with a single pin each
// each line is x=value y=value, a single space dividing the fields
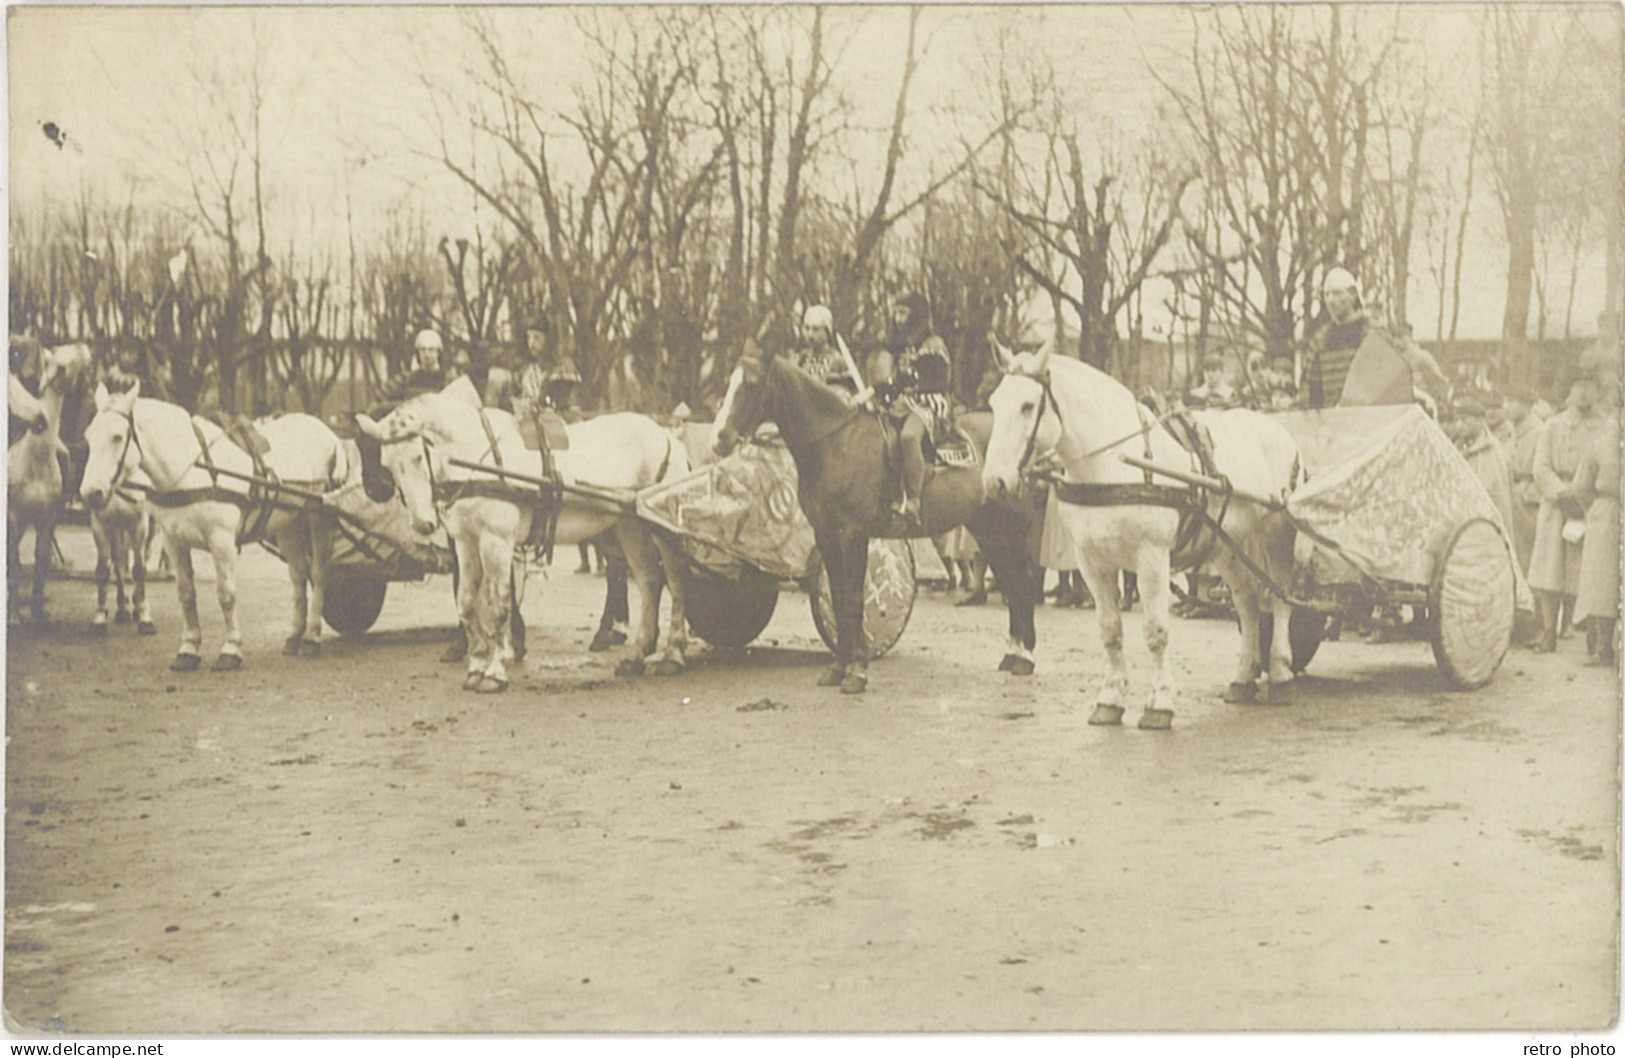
x=1329 y=361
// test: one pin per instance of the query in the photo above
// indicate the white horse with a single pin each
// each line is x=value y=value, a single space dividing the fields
x=1120 y=521
x=199 y=509
x=123 y=530
x=488 y=518
x=33 y=471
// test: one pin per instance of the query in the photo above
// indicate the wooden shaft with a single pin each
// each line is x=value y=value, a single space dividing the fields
x=292 y=490
x=1201 y=481
x=622 y=499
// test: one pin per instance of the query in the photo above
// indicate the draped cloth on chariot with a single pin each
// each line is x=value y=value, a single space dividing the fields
x=1390 y=489
x=739 y=509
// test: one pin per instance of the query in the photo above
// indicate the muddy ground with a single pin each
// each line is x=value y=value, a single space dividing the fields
x=353 y=843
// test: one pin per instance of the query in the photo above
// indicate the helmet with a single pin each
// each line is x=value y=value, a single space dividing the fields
x=428 y=341
x=818 y=316
x=1339 y=279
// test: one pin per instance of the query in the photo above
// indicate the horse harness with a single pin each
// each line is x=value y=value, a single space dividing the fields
x=550 y=497
x=265 y=497
x=1198 y=531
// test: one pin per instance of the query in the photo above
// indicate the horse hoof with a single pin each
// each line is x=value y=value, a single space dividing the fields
x=605 y=639
x=668 y=667
x=855 y=683
x=630 y=667
x=1156 y=719
x=290 y=647
x=471 y=681
x=227 y=663
x=1020 y=666
x=98 y=628
x=1241 y=693
x=976 y=599
x=185 y=663
x=145 y=628
x=1278 y=693
x=310 y=648
x=490 y=685
x=122 y=617
x=458 y=651
x=833 y=676
x=1106 y=716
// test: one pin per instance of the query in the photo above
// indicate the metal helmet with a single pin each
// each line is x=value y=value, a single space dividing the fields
x=1340 y=279
x=428 y=341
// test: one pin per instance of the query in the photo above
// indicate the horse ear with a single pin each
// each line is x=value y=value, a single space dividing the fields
x=135 y=392
x=1001 y=355
x=1041 y=364
x=103 y=398
x=369 y=426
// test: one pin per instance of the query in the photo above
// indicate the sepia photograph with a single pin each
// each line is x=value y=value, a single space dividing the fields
x=760 y=519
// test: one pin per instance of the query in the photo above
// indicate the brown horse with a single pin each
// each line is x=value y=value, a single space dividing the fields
x=847 y=489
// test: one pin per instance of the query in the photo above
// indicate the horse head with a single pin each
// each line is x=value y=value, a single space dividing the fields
x=744 y=407
x=1020 y=427
x=114 y=451
x=399 y=458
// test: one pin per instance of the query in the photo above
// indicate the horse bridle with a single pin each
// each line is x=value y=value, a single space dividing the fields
x=129 y=439
x=1045 y=402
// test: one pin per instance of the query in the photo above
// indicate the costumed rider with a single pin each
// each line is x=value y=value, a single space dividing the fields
x=819 y=354
x=425 y=373
x=1332 y=348
x=917 y=391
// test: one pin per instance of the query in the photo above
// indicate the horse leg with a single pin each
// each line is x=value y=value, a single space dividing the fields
x=829 y=550
x=849 y=615
x=223 y=547
x=496 y=560
x=1244 y=600
x=321 y=551
x=139 y=538
x=104 y=550
x=457 y=649
x=295 y=548
x=44 y=537
x=467 y=586
x=1153 y=564
x=675 y=658
x=516 y=618
x=1017 y=583
x=119 y=554
x=14 y=568
x=613 y=627
x=190 y=654
x=644 y=568
x=1109 y=702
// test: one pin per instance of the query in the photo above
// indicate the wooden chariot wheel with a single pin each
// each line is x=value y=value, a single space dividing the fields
x=353 y=598
x=1473 y=602
x=888 y=595
x=730 y=613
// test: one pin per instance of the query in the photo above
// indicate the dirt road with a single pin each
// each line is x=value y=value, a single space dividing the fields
x=352 y=843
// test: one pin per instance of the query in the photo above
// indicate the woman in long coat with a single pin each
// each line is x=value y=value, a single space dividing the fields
x=1596 y=606
x=1554 y=567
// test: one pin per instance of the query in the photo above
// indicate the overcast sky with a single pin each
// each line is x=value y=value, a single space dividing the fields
x=348 y=115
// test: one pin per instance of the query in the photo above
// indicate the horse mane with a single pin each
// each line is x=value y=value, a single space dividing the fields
x=824 y=396
x=1094 y=375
